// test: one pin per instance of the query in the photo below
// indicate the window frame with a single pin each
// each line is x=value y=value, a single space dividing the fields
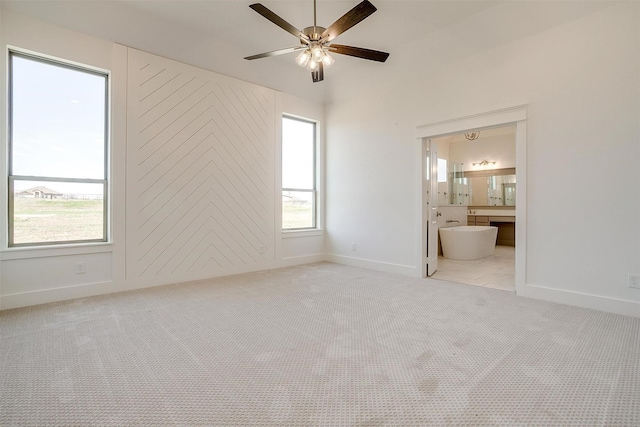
x=314 y=190
x=11 y=178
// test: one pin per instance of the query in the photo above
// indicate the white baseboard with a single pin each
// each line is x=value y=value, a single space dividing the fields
x=44 y=296
x=596 y=302
x=23 y=299
x=300 y=260
x=404 y=270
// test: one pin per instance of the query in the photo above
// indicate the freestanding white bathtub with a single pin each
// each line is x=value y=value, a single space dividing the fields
x=468 y=242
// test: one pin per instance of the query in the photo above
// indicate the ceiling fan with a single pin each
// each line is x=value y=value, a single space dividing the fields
x=315 y=41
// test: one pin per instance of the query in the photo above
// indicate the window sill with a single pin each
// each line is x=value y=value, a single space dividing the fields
x=26 y=252
x=292 y=234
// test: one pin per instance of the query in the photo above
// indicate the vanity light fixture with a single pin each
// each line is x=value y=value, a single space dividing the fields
x=483 y=163
x=472 y=136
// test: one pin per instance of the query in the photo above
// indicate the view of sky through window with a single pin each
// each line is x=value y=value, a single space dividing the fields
x=58 y=124
x=298 y=174
x=297 y=154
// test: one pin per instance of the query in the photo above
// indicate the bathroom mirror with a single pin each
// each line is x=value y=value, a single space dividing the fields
x=495 y=187
x=492 y=187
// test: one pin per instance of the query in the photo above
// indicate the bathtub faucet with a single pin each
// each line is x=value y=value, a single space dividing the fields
x=453 y=220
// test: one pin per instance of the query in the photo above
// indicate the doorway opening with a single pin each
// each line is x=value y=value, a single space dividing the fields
x=429 y=210
x=477 y=187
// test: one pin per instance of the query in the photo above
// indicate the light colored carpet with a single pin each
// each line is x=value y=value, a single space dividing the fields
x=321 y=344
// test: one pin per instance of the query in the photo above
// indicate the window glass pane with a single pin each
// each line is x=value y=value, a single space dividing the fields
x=442 y=170
x=298 y=209
x=57 y=212
x=58 y=121
x=298 y=154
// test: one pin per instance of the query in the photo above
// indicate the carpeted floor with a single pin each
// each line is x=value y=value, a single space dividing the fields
x=321 y=344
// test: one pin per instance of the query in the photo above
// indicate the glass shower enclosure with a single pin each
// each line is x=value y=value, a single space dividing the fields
x=458 y=185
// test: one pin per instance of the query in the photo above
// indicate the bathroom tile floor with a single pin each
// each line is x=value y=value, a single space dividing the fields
x=496 y=271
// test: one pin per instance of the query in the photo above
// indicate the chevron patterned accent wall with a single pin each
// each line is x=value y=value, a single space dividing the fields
x=200 y=171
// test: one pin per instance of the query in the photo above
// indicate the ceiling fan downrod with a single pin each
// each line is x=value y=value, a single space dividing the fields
x=314 y=16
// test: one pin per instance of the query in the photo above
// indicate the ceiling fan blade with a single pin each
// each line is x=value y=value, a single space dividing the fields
x=359 y=52
x=318 y=75
x=348 y=20
x=275 y=52
x=278 y=21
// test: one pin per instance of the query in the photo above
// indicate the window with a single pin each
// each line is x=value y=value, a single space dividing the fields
x=442 y=170
x=298 y=174
x=57 y=152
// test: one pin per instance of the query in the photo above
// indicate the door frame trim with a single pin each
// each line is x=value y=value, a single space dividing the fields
x=508 y=116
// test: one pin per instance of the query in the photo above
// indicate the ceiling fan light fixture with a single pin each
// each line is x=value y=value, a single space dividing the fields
x=316 y=52
x=304 y=57
x=312 y=65
x=327 y=60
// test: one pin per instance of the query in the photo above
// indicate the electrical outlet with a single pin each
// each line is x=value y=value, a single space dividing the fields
x=634 y=281
x=353 y=246
x=81 y=268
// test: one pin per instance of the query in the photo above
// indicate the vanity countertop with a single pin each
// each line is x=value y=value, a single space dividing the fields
x=491 y=212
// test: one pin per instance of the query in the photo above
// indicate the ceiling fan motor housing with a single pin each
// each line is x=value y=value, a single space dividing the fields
x=313 y=33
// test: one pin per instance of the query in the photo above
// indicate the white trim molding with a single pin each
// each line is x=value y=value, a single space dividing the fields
x=596 y=302
x=404 y=270
x=474 y=122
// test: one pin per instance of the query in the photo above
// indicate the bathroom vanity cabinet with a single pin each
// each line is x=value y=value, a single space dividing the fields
x=506 y=226
x=477 y=220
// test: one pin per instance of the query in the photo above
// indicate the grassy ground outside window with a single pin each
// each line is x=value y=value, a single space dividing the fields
x=57 y=220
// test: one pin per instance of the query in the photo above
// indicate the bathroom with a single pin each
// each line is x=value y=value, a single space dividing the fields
x=477 y=187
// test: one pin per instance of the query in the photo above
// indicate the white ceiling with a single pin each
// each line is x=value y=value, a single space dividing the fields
x=217 y=34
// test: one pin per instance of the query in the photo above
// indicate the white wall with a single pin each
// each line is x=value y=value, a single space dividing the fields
x=200 y=172
x=580 y=81
x=452 y=213
x=194 y=207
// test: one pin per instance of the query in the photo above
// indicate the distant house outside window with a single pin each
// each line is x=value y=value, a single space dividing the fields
x=298 y=174
x=57 y=152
